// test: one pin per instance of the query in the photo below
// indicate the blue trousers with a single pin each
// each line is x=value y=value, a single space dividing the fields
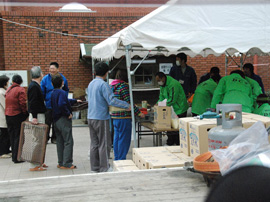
x=122 y=138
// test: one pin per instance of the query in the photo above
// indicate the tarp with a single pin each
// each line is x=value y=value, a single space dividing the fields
x=194 y=27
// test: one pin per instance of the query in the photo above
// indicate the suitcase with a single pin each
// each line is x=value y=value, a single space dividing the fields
x=33 y=141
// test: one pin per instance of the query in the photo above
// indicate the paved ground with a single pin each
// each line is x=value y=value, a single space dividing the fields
x=11 y=171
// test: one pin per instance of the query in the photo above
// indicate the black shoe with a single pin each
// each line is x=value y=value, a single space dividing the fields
x=53 y=141
x=18 y=161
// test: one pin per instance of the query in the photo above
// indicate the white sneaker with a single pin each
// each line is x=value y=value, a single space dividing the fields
x=110 y=169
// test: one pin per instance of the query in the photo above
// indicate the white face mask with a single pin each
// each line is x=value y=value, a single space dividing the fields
x=160 y=83
x=177 y=62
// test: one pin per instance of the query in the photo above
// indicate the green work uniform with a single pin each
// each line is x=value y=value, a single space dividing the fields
x=263 y=110
x=203 y=96
x=233 y=89
x=256 y=90
x=175 y=95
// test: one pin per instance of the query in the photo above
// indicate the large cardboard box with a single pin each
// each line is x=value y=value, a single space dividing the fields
x=184 y=134
x=166 y=162
x=183 y=157
x=173 y=149
x=127 y=168
x=122 y=163
x=198 y=136
x=162 y=117
x=265 y=120
x=247 y=122
x=137 y=153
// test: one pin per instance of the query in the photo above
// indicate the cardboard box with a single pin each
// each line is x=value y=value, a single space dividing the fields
x=143 y=151
x=184 y=134
x=122 y=163
x=162 y=117
x=127 y=168
x=247 y=122
x=198 y=136
x=183 y=157
x=145 y=159
x=173 y=149
x=166 y=162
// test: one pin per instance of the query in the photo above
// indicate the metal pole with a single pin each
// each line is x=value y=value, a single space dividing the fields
x=226 y=64
x=128 y=63
x=93 y=68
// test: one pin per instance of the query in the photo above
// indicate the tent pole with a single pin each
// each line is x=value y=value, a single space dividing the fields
x=93 y=68
x=128 y=63
x=226 y=64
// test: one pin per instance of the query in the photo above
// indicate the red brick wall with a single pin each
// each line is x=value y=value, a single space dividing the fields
x=95 y=1
x=97 y=9
x=23 y=47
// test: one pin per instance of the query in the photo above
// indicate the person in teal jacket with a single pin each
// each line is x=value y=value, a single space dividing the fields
x=256 y=91
x=203 y=95
x=172 y=90
x=234 y=89
x=264 y=107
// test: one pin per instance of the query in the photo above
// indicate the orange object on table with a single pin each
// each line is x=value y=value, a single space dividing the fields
x=144 y=111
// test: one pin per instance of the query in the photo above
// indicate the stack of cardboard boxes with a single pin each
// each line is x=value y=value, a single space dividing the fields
x=193 y=134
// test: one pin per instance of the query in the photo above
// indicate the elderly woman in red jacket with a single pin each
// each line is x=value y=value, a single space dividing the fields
x=15 y=113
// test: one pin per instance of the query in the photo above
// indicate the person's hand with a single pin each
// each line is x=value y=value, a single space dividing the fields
x=129 y=109
x=70 y=116
x=79 y=101
x=35 y=121
x=142 y=115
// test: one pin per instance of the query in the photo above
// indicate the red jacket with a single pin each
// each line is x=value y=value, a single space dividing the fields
x=15 y=100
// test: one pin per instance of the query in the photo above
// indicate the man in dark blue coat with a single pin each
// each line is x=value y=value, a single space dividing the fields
x=184 y=74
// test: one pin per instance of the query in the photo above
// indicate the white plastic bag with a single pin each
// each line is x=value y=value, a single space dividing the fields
x=251 y=147
x=175 y=119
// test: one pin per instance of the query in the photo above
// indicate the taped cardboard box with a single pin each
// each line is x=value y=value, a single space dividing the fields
x=145 y=151
x=184 y=134
x=145 y=159
x=173 y=149
x=166 y=162
x=183 y=157
x=247 y=122
x=162 y=118
x=127 y=168
x=122 y=163
x=198 y=136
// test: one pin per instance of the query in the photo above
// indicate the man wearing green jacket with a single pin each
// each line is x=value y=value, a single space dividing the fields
x=172 y=90
x=203 y=95
x=256 y=91
x=234 y=89
x=264 y=107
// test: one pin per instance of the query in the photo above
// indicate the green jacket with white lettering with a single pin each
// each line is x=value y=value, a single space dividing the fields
x=175 y=95
x=203 y=96
x=233 y=89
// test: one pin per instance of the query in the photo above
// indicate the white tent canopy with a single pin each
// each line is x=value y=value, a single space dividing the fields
x=194 y=27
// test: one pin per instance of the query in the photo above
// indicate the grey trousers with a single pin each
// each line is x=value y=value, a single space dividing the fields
x=100 y=146
x=64 y=143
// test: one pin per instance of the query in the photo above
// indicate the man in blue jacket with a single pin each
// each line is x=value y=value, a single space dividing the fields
x=184 y=74
x=100 y=97
x=47 y=89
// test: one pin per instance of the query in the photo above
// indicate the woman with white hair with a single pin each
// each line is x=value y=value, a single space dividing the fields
x=36 y=106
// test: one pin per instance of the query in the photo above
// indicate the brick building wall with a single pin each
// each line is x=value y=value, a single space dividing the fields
x=23 y=46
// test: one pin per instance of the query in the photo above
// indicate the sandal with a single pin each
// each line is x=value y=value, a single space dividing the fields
x=38 y=168
x=71 y=167
x=58 y=166
x=44 y=165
